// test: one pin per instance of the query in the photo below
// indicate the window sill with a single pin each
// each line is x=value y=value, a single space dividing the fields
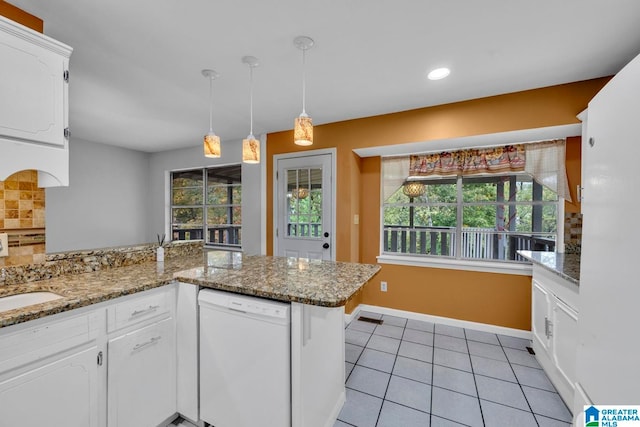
x=456 y=264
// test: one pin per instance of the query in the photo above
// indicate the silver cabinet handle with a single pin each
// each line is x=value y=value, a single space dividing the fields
x=548 y=328
x=153 y=340
x=146 y=310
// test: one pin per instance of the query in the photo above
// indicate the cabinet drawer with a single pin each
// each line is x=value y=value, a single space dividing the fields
x=27 y=345
x=141 y=307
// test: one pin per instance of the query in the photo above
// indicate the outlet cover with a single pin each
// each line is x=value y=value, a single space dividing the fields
x=383 y=286
x=4 y=244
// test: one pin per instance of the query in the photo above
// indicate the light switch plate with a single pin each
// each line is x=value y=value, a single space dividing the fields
x=4 y=244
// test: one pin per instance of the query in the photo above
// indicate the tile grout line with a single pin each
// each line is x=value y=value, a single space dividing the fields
x=395 y=359
x=433 y=363
x=473 y=375
x=519 y=384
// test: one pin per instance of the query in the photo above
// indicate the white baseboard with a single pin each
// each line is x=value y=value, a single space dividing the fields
x=336 y=409
x=349 y=317
x=494 y=329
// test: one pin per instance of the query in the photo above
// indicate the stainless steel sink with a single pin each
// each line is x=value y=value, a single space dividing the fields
x=23 y=300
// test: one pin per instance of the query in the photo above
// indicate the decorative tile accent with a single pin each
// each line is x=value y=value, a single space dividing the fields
x=22 y=218
x=572 y=233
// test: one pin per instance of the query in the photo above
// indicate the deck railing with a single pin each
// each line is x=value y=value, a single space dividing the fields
x=477 y=243
x=226 y=235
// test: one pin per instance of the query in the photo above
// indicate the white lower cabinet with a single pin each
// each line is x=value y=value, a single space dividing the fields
x=62 y=392
x=141 y=384
x=112 y=364
x=555 y=329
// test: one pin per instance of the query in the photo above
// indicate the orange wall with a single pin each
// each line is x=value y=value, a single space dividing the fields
x=20 y=16
x=498 y=299
x=573 y=158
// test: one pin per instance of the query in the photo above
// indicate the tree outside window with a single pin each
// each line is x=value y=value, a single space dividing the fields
x=206 y=205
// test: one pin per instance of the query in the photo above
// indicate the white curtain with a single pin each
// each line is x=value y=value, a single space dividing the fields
x=546 y=163
x=395 y=171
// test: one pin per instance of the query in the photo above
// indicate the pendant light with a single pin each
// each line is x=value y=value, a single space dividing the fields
x=413 y=189
x=303 y=126
x=250 y=145
x=211 y=140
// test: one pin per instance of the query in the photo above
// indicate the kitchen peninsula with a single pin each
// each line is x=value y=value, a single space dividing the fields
x=99 y=310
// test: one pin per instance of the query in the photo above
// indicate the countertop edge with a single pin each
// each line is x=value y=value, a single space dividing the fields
x=110 y=284
x=536 y=258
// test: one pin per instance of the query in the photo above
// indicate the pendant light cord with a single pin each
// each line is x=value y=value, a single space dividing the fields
x=304 y=86
x=251 y=98
x=210 y=104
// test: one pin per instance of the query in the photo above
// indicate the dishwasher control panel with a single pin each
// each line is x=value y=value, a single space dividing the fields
x=244 y=304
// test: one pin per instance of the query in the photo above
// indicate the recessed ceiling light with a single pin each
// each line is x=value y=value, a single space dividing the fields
x=438 y=73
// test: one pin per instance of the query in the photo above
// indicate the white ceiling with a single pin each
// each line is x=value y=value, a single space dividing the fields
x=135 y=69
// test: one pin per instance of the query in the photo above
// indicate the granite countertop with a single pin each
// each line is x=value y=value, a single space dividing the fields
x=322 y=283
x=314 y=282
x=566 y=266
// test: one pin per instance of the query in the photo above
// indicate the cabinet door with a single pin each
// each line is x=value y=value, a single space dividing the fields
x=540 y=315
x=61 y=393
x=142 y=376
x=565 y=341
x=33 y=91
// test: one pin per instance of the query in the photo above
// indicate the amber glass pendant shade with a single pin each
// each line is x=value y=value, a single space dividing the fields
x=212 y=145
x=303 y=130
x=250 y=150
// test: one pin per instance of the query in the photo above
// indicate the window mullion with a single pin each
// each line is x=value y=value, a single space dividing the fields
x=205 y=187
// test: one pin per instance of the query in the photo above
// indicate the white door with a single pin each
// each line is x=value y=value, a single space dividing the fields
x=609 y=295
x=304 y=207
x=565 y=342
x=61 y=393
x=540 y=315
x=141 y=382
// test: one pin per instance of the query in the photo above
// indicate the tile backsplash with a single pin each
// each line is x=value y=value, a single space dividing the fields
x=22 y=208
x=572 y=232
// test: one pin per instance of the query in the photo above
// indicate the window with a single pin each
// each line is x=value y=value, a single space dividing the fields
x=486 y=217
x=206 y=204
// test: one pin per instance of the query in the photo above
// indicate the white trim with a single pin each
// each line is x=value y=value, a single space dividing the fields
x=263 y=194
x=349 y=317
x=485 y=327
x=520 y=269
x=560 y=226
x=474 y=141
x=334 y=178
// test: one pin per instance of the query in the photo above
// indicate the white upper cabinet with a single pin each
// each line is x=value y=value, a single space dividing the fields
x=33 y=104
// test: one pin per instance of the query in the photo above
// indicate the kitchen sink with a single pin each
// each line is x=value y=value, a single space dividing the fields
x=23 y=300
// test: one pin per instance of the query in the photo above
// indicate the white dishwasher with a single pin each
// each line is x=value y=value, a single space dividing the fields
x=245 y=353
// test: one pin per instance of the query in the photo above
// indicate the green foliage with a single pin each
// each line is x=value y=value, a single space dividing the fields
x=486 y=204
x=306 y=211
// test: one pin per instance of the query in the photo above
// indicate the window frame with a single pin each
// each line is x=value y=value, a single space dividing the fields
x=205 y=206
x=458 y=262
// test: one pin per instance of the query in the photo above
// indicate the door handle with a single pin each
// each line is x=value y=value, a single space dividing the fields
x=326 y=246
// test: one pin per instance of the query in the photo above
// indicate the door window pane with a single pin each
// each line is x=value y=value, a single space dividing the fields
x=304 y=202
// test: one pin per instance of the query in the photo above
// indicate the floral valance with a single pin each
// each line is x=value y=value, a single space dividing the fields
x=510 y=158
x=543 y=160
